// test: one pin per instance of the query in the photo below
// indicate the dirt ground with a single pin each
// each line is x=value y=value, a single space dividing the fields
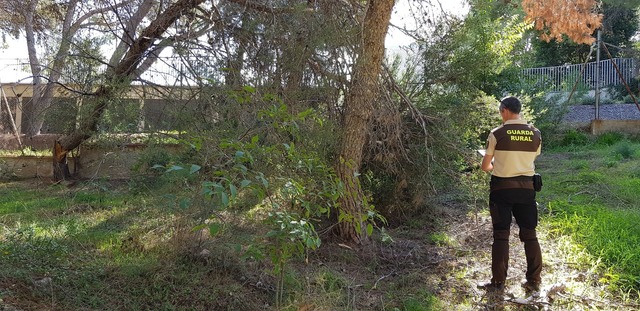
x=454 y=268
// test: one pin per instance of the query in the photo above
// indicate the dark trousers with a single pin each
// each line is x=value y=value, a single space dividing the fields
x=521 y=204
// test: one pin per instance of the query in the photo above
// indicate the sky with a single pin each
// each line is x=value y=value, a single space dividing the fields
x=402 y=18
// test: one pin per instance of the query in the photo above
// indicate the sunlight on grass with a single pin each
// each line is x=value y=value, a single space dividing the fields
x=426 y=302
x=26 y=152
x=592 y=207
x=612 y=235
x=442 y=239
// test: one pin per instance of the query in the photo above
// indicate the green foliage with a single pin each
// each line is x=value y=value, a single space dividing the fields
x=474 y=55
x=31 y=246
x=624 y=150
x=609 y=138
x=620 y=93
x=441 y=239
x=609 y=234
x=121 y=116
x=545 y=111
x=278 y=175
x=575 y=138
x=61 y=116
x=302 y=187
x=152 y=157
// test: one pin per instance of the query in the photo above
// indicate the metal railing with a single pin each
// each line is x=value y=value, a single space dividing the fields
x=563 y=78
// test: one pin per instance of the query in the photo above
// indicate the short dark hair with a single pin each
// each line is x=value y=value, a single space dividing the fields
x=511 y=103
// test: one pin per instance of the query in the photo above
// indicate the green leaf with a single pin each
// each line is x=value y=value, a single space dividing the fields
x=214 y=228
x=264 y=181
x=305 y=113
x=199 y=227
x=224 y=198
x=244 y=183
x=174 y=168
x=184 y=203
x=194 y=168
x=243 y=168
x=233 y=190
x=369 y=229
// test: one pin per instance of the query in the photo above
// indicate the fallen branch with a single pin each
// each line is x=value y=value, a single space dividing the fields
x=375 y=285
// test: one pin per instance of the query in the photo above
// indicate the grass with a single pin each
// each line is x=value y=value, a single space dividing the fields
x=130 y=245
x=101 y=250
x=26 y=152
x=591 y=194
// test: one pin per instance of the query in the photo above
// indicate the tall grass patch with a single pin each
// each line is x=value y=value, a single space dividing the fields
x=609 y=234
x=591 y=195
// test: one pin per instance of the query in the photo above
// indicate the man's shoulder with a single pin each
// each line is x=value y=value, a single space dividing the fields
x=497 y=128
x=520 y=125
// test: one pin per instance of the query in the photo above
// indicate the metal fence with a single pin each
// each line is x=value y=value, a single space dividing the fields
x=563 y=78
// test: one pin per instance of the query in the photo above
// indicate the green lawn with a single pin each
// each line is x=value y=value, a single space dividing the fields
x=592 y=193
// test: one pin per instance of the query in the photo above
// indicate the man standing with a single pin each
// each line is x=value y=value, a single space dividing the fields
x=511 y=151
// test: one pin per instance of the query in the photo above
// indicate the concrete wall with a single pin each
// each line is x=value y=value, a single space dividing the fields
x=28 y=167
x=91 y=163
x=624 y=126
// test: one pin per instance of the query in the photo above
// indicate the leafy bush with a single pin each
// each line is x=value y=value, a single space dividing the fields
x=152 y=157
x=575 y=138
x=609 y=138
x=624 y=150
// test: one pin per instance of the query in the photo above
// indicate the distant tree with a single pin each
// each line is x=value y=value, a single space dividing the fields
x=125 y=65
x=36 y=19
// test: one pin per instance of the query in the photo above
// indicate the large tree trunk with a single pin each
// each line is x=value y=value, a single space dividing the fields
x=359 y=107
x=118 y=79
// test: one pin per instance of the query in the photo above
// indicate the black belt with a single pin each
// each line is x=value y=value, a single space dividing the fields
x=517 y=182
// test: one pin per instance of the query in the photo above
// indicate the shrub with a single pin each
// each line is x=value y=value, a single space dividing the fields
x=609 y=139
x=575 y=138
x=624 y=150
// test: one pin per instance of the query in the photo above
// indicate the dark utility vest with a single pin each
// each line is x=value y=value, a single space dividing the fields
x=517 y=137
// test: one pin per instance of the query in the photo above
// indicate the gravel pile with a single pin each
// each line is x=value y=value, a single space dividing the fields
x=586 y=113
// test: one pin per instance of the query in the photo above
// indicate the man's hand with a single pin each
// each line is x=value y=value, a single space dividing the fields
x=487 y=163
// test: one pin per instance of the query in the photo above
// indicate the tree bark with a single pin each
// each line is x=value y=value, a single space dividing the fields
x=359 y=107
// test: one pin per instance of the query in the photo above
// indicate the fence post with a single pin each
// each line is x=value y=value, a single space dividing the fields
x=597 y=95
